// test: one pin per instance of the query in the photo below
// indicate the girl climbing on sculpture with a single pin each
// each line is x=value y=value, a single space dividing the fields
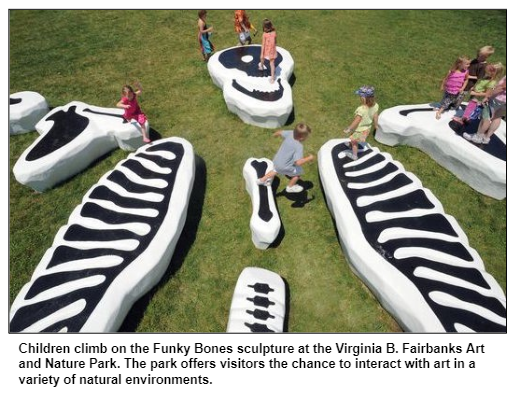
x=132 y=110
x=453 y=84
x=365 y=117
x=268 y=48
x=243 y=27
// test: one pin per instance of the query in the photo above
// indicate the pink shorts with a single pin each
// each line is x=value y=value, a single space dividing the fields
x=140 y=118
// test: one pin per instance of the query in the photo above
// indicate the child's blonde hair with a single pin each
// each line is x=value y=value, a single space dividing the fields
x=458 y=64
x=301 y=130
x=486 y=51
x=496 y=68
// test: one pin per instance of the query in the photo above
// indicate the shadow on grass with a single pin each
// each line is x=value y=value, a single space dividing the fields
x=292 y=117
x=299 y=199
x=186 y=240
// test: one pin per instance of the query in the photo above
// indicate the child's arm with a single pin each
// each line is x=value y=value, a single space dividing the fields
x=375 y=121
x=277 y=133
x=304 y=160
x=353 y=126
x=138 y=90
x=122 y=105
x=465 y=82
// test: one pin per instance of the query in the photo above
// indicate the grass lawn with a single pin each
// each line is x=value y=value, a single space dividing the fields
x=88 y=55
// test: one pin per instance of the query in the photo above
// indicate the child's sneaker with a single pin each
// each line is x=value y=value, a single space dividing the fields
x=262 y=67
x=294 y=189
x=485 y=140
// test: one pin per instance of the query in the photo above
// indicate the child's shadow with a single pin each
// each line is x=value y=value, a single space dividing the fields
x=299 y=199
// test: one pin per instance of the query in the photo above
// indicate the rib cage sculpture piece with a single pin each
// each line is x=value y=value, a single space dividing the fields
x=115 y=247
x=399 y=241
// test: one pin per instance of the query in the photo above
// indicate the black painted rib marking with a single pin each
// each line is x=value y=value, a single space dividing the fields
x=14 y=101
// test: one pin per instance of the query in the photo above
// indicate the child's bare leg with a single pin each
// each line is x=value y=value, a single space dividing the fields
x=439 y=113
x=293 y=181
x=272 y=70
x=145 y=137
x=354 y=148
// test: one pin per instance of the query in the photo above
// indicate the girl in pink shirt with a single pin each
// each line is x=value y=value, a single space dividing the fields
x=132 y=110
x=268 y=48
x=453 y=84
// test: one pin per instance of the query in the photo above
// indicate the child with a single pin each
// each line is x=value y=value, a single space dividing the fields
x=366 y=116
x=132 y=110
x=476 y=70
x=268 y=48
x=491 y=115
x=481 y=90
x=289 y=158
x=242 y=27
x=206 y=47
x=453 y=84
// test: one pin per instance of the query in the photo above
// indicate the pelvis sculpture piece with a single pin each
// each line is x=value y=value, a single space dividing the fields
x=72 y=137
x=483 y=167
x=248 y=91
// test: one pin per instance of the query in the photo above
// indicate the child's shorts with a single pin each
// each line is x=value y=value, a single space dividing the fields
x=292 y=171
x=140 y=118
x=448 y=100
x=359 y=136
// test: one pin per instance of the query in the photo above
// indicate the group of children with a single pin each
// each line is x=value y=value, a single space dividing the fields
x=483 y=84
x=477 y=79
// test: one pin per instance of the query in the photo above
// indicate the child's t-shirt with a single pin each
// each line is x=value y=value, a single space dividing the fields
x=483 y=85
x=289 y=152
x=455 y=81
x=367 y=113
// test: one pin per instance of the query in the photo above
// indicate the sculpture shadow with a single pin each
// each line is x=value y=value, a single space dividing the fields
x=299 y=199
x=281 y=234
x=184 y=244
x=287 y=305
x=292 y=117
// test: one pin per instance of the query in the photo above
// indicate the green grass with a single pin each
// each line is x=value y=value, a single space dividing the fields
x=88 y=55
